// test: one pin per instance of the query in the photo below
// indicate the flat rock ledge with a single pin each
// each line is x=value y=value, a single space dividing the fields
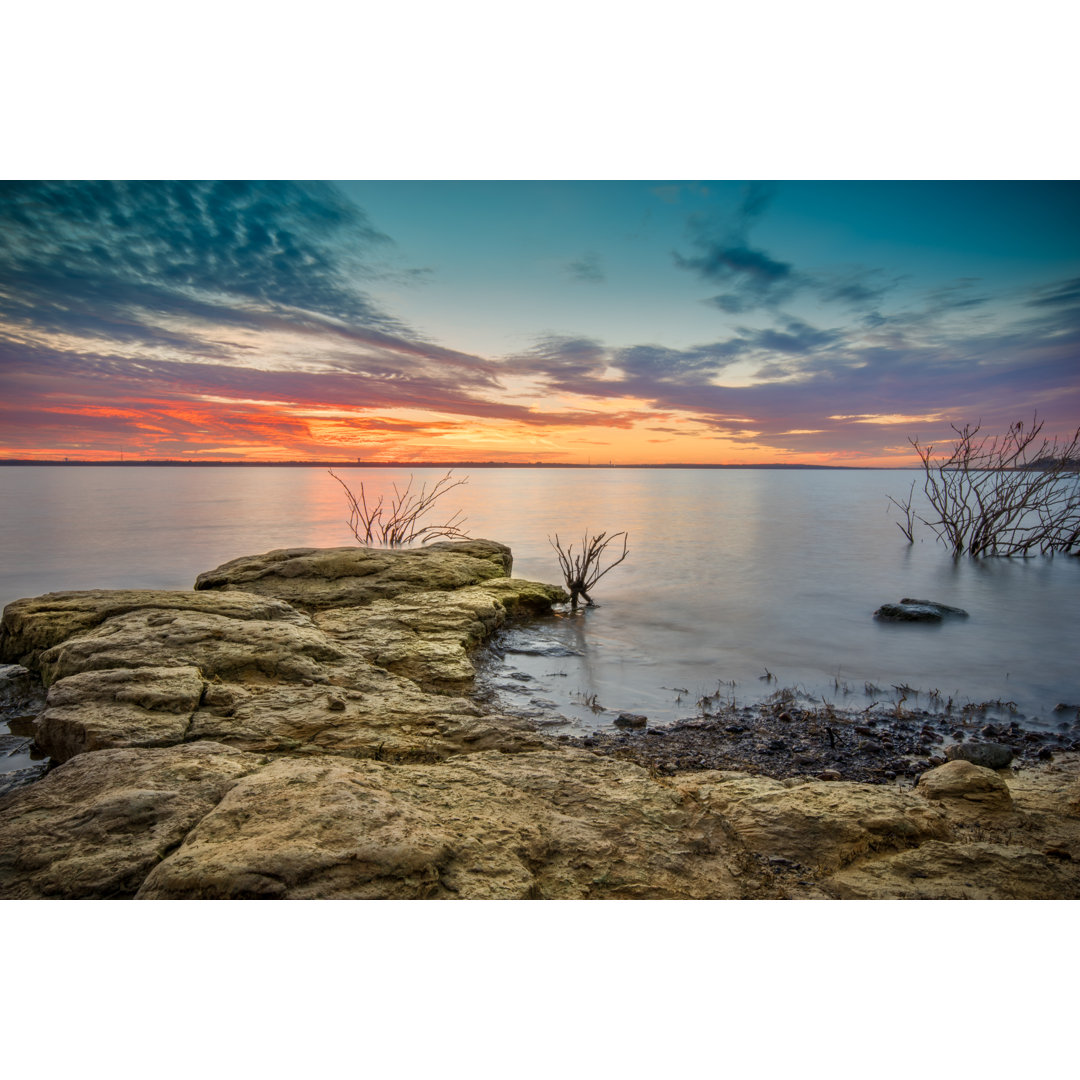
x=299 y=727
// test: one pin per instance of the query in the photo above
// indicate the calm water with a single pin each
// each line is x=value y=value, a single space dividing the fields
x=730 y=573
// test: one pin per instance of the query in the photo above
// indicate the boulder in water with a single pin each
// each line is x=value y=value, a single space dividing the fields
x=909 y=610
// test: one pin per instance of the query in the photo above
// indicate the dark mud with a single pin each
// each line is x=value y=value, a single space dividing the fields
x=784 y=740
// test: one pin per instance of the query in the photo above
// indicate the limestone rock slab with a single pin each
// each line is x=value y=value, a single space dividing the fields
x=364 y=712
x=93 y=710
x=239 y=649
x=94 y=827
x=427 y=636
x=974 y=871
x=37 y=623
x=317 y=578
x=821 y=824
x=488 y=826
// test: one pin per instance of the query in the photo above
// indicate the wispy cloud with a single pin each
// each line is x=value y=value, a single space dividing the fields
x=587 y=268
x=752 y=278
x=925 y=369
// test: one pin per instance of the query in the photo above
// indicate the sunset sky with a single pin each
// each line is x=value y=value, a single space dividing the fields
x=624 y=321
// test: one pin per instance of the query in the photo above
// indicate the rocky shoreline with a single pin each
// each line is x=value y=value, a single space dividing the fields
x=303 y=724
x=784 y=741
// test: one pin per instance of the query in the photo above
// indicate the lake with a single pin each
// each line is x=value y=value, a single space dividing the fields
x=732 y=575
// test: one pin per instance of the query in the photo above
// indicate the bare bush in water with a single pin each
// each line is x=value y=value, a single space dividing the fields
x=1013 y=494
x=583 y=570
x=400 y=522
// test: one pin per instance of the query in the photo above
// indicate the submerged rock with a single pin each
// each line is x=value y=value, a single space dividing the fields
x=532 y=643
x=909 y=610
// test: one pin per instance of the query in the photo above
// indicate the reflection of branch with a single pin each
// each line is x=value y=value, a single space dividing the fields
x=399 y=524
x=582 y=571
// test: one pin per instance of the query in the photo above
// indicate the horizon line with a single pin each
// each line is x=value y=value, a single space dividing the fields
x=356 y=464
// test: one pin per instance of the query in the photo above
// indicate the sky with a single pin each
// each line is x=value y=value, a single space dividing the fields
x=652 y=322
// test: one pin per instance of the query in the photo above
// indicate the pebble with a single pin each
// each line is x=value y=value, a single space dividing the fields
x=631 y=720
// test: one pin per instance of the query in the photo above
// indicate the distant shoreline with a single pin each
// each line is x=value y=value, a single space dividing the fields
x=166 y=463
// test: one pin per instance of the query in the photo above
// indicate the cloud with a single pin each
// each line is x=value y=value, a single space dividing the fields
x=928 y=370
x=1060 y=294
x=155 y=263
x=189 y=315
x=751 y=276
x=677 y=364
x=587 y=268
x=753 y=279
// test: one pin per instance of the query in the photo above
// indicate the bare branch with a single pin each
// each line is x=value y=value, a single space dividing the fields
x=1002 y=495
x=583 y=570
x=400 y=524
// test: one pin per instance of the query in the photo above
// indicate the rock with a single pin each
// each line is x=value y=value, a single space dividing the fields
x=826 y=824
x=553 y=824
x=428 y=636
x=313 y=579
x=17 y=778
x=909 y=610
x=945 y=609
x=385 y=716
x=95 y=827
x=173 y=671
x=17 y=684
x=93 y=710
x=226 y=744
x=972 y=784
x=988 y=755
x=630 y=720
x=228 y=648
x=942 y=871
x=31 y=626
x=532 y=643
